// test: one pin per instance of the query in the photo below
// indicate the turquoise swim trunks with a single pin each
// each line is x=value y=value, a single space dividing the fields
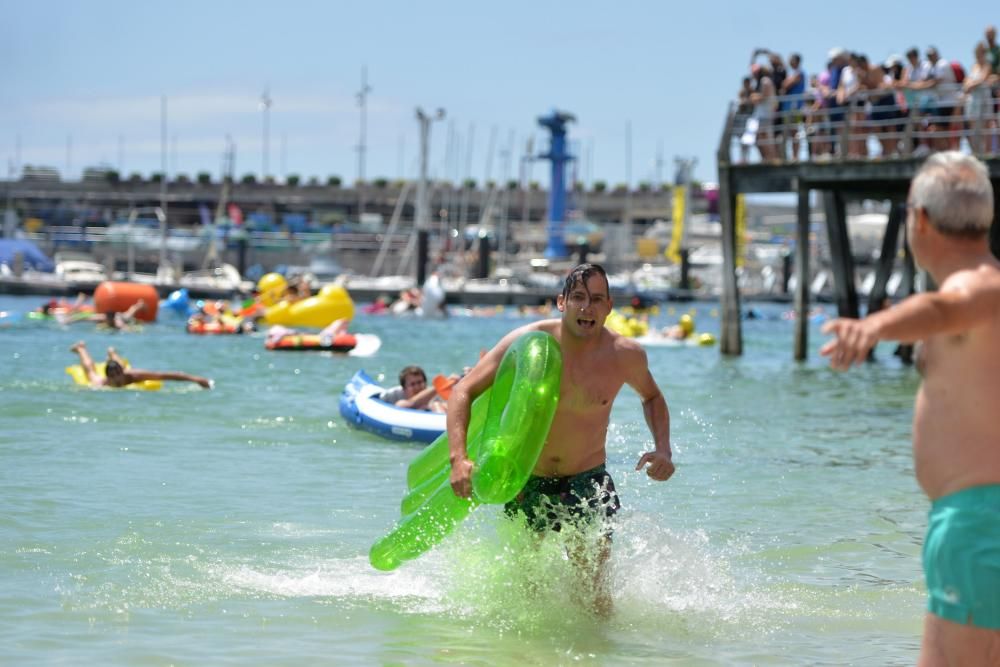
x=962 y=557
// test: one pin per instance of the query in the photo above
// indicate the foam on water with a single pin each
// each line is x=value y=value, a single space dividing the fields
x=492 y=573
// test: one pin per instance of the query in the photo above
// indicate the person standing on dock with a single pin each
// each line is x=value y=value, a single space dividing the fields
x=569 y=486
x=956 y=445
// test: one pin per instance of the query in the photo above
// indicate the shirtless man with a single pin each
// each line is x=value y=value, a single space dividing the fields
x=956 y=446
x=117 y=373
x=570 y=472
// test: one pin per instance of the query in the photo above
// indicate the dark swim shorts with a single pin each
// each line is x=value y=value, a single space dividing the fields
x=550 y=502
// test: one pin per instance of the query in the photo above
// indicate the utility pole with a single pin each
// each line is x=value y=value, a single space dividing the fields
x=363 y=103
x=422 y=221
x=265 y=107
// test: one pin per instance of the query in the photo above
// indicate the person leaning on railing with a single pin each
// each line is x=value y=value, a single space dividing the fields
x=977 y=92
x=793 y=88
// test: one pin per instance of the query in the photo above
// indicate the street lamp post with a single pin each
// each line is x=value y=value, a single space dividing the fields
x=363 y=103
x=422 y=221
x=265 y=107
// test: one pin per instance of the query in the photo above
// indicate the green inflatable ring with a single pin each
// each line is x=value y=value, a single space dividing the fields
x=507 y=430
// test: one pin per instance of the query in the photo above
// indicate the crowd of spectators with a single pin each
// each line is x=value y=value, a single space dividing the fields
x=908 y=105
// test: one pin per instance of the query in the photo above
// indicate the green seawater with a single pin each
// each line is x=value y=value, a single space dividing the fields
x=232 y=526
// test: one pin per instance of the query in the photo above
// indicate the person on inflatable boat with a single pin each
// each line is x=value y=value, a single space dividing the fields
x=413 y=391
x=569 y=487
x=117 y=373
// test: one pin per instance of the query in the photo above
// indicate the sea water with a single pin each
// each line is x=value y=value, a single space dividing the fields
x=232 y=526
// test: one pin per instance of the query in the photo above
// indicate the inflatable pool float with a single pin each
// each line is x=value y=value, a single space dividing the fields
x=62 y=316
x=650 y=337
x=116 y=297
x=79 y=376
x=355 y=345
x=218 y=327
x=626 y=326
x=332 y=303
x=361 y=408
x=344 y=342
x=179 y=303
x=508 y=427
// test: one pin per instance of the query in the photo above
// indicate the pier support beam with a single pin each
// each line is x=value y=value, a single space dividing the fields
x=907 y=287
x=802 y=272
x=841 y=259
x=685 y=282
x=887 y=258
x=731 y=333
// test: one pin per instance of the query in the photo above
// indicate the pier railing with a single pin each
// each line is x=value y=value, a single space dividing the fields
x=869 y=125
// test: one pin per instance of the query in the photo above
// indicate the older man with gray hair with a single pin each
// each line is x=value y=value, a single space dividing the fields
x=956 y=441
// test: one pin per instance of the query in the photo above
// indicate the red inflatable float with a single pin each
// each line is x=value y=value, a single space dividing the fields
x=297 y=341
x=112 y=297
x=212 y=328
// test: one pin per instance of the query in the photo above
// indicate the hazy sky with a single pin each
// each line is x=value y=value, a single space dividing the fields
x=81 y=81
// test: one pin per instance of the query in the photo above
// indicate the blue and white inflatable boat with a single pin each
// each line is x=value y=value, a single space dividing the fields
x=361 y=408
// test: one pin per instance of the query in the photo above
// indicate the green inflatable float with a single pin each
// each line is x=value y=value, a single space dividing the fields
x=507 y=429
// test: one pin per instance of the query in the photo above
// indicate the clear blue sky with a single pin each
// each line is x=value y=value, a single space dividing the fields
x=81 y=82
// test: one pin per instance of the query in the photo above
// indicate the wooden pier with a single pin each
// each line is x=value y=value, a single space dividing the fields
x=839 y=181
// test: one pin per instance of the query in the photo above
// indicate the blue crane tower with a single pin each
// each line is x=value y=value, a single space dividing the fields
x=558 y=156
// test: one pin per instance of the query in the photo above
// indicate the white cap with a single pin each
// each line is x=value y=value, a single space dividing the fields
x=894 y=59
x=835 y=52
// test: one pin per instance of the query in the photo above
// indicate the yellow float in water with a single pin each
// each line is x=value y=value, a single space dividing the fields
x=332 y=303
x=271 y=288
x=79 y=375
x=626 y=326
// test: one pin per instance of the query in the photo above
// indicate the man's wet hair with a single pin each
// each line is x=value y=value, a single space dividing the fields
x=112 y=367
x=581 y=274
x=411 y=370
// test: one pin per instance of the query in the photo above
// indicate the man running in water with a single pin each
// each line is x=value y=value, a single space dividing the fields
x=569 y=484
